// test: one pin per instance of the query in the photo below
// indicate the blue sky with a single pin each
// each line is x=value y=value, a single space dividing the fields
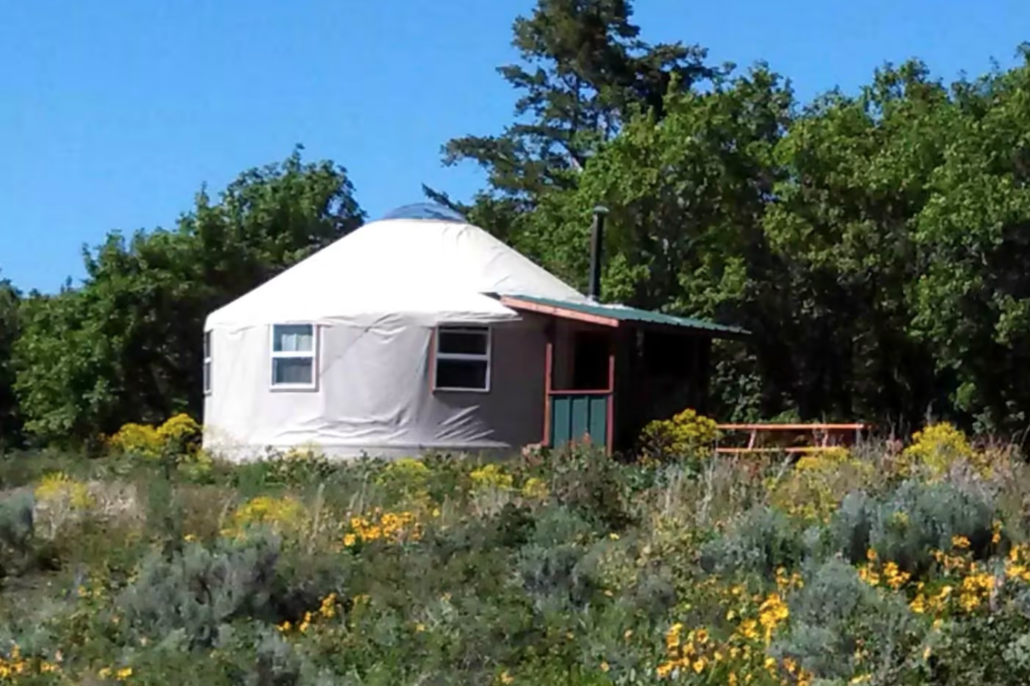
x=113 y=113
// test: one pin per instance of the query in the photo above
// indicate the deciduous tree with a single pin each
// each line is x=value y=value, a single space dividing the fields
x=127 y=344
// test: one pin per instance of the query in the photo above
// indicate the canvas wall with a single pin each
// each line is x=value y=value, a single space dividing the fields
x=374 y=394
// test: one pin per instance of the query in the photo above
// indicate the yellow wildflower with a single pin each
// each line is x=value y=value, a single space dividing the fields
x=328 y=607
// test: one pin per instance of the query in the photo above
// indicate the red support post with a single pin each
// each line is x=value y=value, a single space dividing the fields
x=548 y=384
x=610 y=410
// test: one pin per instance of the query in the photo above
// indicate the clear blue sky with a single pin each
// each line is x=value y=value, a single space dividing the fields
x=113 y=113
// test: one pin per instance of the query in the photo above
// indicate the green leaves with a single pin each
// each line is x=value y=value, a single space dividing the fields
x=10 y=424
x=874 y=243
x=126 y=345
x=584 y=73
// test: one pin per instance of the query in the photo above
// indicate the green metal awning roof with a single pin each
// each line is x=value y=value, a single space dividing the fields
x=613 y=315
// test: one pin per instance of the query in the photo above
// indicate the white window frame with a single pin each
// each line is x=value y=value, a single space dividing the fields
x=208 y=369
x=283 y=354
x=486 y=357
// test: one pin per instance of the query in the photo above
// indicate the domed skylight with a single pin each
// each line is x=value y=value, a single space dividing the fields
x=425 y=210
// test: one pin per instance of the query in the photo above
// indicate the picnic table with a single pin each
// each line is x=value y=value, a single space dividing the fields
x=823 y=436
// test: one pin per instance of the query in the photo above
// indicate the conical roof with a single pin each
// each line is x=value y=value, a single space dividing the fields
x=435 y=268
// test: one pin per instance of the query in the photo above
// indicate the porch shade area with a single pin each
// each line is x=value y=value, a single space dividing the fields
x=610 y=369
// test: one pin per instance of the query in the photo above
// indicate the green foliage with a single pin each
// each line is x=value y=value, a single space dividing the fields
x=936 y=448
x=687 y=435
x=872 y=242
x=693 y=576
x=984 y=650
x=196 y=591
x=814 y=488
x=295 y=467
x=10 y=422
x=841 y=628
x=404 y=480
x=16 y=529
x=760 y=541
x=126 y=345
x=906 y=524
x=587 y=480
x=585 y=71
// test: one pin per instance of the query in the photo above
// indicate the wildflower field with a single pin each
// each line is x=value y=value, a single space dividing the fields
x=155 y=564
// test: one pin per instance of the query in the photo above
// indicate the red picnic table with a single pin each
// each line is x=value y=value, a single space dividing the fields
x=824 y=436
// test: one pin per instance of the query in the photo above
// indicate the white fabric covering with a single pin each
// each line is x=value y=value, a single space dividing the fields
x=375 y=298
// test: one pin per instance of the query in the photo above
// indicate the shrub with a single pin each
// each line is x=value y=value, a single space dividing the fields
x=405 y=480
x=816 y=485
x=535 y=489
x=181 y=434
x=198 y=467
x=491 y=476
x=60 y=501
x=16 y=529
x=842 y=628
x=285 y=516
x=175 y=445
x=137 y=440
x=991 y=650
x=585 y=479
x=907 y=524
x=686 y=435
x=554 y=564
x=761 y=540
x=196 y=590
x=298 y=466
x=935 y=449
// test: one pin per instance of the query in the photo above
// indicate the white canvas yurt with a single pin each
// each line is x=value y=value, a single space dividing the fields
x=391 y=341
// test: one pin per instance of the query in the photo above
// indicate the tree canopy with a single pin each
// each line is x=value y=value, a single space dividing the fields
x=585 y=71
x=870 y=241
x=126 y=344
x=875 y=243
x=10 y=424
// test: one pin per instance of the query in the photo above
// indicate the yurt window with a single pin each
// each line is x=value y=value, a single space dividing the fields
x=207 y=361
x=462 y=358
x=293 y=356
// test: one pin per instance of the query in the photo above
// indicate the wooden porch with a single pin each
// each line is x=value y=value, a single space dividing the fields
x=606 y=378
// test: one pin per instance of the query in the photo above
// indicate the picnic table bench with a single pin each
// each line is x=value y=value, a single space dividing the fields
x=824 y=436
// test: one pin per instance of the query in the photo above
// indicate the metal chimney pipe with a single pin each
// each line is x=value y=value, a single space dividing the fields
x=596 y=252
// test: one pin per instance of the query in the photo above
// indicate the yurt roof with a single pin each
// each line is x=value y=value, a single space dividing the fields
x=418 y=261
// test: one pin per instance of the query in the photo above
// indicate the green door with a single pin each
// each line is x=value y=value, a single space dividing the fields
x=577 y=415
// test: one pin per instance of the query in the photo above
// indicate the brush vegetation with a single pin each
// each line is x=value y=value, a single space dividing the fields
x=156 y=564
